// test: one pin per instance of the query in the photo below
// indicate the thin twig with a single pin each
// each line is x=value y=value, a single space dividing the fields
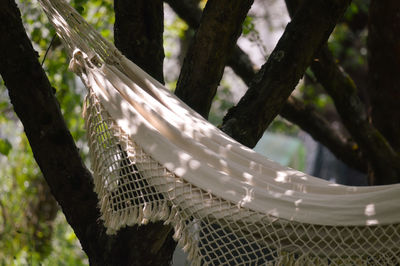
x=48 y=48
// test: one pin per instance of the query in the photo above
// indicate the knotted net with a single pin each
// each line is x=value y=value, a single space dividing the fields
x=154 y=159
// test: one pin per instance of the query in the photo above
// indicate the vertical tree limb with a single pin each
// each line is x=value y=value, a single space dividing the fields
x=202 y=70
x=138 y=33
x=238 y=60
x=384 y=68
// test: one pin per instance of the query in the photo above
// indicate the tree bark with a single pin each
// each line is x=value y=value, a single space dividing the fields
x=204 y=64
x=321 y=130
x=303 y=37
x=383 y=160
x=384 y=68
x=138 y=33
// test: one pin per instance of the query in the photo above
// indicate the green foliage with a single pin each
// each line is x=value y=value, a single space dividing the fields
x=5 y=146
x=248 y=26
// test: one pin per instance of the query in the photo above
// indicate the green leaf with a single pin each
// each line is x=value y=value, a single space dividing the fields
x=5 y=146
x=248 y=25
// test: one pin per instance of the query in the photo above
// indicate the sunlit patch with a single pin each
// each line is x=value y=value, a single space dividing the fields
x=194 y=164
x=304 y=177
x=372 y=222
x=298 y=202
x=281 y=177
x=223 y=162
x=289 y=193
x=247 y=176
x=248 y=198
x=180 y=171
x=169 y=165
x=127 y=126
x=184 y=157
x=370 y=210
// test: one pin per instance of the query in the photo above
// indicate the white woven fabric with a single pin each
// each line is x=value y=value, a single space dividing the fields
x=155 y=159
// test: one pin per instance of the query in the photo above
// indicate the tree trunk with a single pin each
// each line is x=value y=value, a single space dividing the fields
x=138 y=33
x=204 y=64
x=384 y=68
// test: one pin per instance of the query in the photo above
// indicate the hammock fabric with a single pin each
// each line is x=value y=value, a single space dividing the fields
x=155 y=159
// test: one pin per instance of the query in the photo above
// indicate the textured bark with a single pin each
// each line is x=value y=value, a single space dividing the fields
x=205 y=61
x=383 y=160
x=238 y=60
x=138 y=33
x=303 y=37
x=384 y=68
x=58 y=158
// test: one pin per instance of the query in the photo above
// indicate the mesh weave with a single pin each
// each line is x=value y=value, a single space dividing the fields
x=135 y=189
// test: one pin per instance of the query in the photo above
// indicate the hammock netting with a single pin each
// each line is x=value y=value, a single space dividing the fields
x=155 y=159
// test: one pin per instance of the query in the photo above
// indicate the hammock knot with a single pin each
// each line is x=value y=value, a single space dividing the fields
x=76 y=64
x=80 y=61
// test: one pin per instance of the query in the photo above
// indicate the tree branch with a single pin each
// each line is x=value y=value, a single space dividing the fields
x=138 y=33
x=303 y=36
x=321 y=130
x=384 y=161
x=294 y=110
x=384 y=68
x=205 y=61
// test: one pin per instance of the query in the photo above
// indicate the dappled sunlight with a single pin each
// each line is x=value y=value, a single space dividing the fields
x=370 y=210
x=247 y=198
x=282 y=177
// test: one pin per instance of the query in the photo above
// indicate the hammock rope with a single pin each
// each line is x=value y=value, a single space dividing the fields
x=155 y=159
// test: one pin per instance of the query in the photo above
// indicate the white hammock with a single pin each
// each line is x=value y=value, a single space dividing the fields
x=156 y=159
